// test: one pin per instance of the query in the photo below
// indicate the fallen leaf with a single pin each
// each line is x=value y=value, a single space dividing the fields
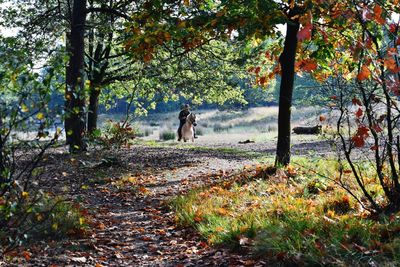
x=27 y=255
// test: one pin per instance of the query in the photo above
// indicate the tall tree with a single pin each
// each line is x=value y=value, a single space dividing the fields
x=287 y=60
x=192 y=23
x=74 y=90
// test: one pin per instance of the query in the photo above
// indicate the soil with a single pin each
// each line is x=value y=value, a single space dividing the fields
x=131 y=224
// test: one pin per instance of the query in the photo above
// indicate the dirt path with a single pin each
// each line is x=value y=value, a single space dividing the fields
x=130 y=222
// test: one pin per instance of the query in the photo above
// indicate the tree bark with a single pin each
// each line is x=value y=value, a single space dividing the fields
x=93 y=108
x=98 y=64
x=74 y=91
x=287 y=61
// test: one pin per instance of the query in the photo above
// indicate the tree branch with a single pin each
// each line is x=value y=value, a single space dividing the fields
x=110 y=11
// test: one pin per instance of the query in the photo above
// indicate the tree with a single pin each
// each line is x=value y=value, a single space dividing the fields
x=353 y=48
x=193 y=23
x=287 y=61
x=74 y=90
x=110 y=69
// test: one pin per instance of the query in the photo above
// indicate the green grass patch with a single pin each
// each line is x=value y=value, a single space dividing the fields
x=294 y=217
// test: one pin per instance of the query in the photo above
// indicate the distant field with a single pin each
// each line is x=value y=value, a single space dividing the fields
x=257 y=124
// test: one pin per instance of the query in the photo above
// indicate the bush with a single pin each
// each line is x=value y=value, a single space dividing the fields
x=199 y=131
x=166 y=135
x=145 y=132
x=37 y=218
x=26 y=212
x=221 y=128
x=117 y=134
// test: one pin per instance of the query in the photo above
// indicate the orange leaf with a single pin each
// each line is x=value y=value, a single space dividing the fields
x=364 y=73
x=143 y=189
x=222 y=211
x=377 y=128
x=197 y=219
x=186 y=2
x=390 y=64
x=374 y=147
x=356 y=101
x=392 y=28
x=359 y=138
x=359 y=113
x=358 y=141
x=27 y=255
x=363 y=130
x=309 y=66
x=147 y=57
x=305 y=33
x=378 y=15
x=378 y=11
x=167 y=36
x=203 y=244
x=322 y=118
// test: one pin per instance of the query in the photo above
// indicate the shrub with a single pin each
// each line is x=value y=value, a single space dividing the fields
x=25 y=211
x=117 y=134
x=199 y=131
x=39 y=217
x=221 y=128
x=166 y=135
x=145 y=132
x=204 y=124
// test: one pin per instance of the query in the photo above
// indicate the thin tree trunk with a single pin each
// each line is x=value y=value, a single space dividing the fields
x=287 y=61
x=93 y=108
x=74 y=91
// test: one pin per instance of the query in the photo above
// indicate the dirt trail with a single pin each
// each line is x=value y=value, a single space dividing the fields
x=131 y=224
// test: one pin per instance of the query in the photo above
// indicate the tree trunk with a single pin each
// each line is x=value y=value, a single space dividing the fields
x=74 y=91
x=287 y=61
x=93 y=108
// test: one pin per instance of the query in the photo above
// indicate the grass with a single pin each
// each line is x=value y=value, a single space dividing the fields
x=259 y=122
x=301 y=220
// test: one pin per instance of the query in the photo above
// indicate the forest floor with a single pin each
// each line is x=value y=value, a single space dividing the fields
x=125 y=193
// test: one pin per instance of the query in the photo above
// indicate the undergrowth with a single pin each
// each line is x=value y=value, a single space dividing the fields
x=38 y=218
x=296 y=216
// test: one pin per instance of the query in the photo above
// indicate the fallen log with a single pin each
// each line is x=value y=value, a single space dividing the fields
x=248 y=141
x=307 y=129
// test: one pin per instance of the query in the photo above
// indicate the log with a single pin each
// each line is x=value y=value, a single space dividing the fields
x=307 y=129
